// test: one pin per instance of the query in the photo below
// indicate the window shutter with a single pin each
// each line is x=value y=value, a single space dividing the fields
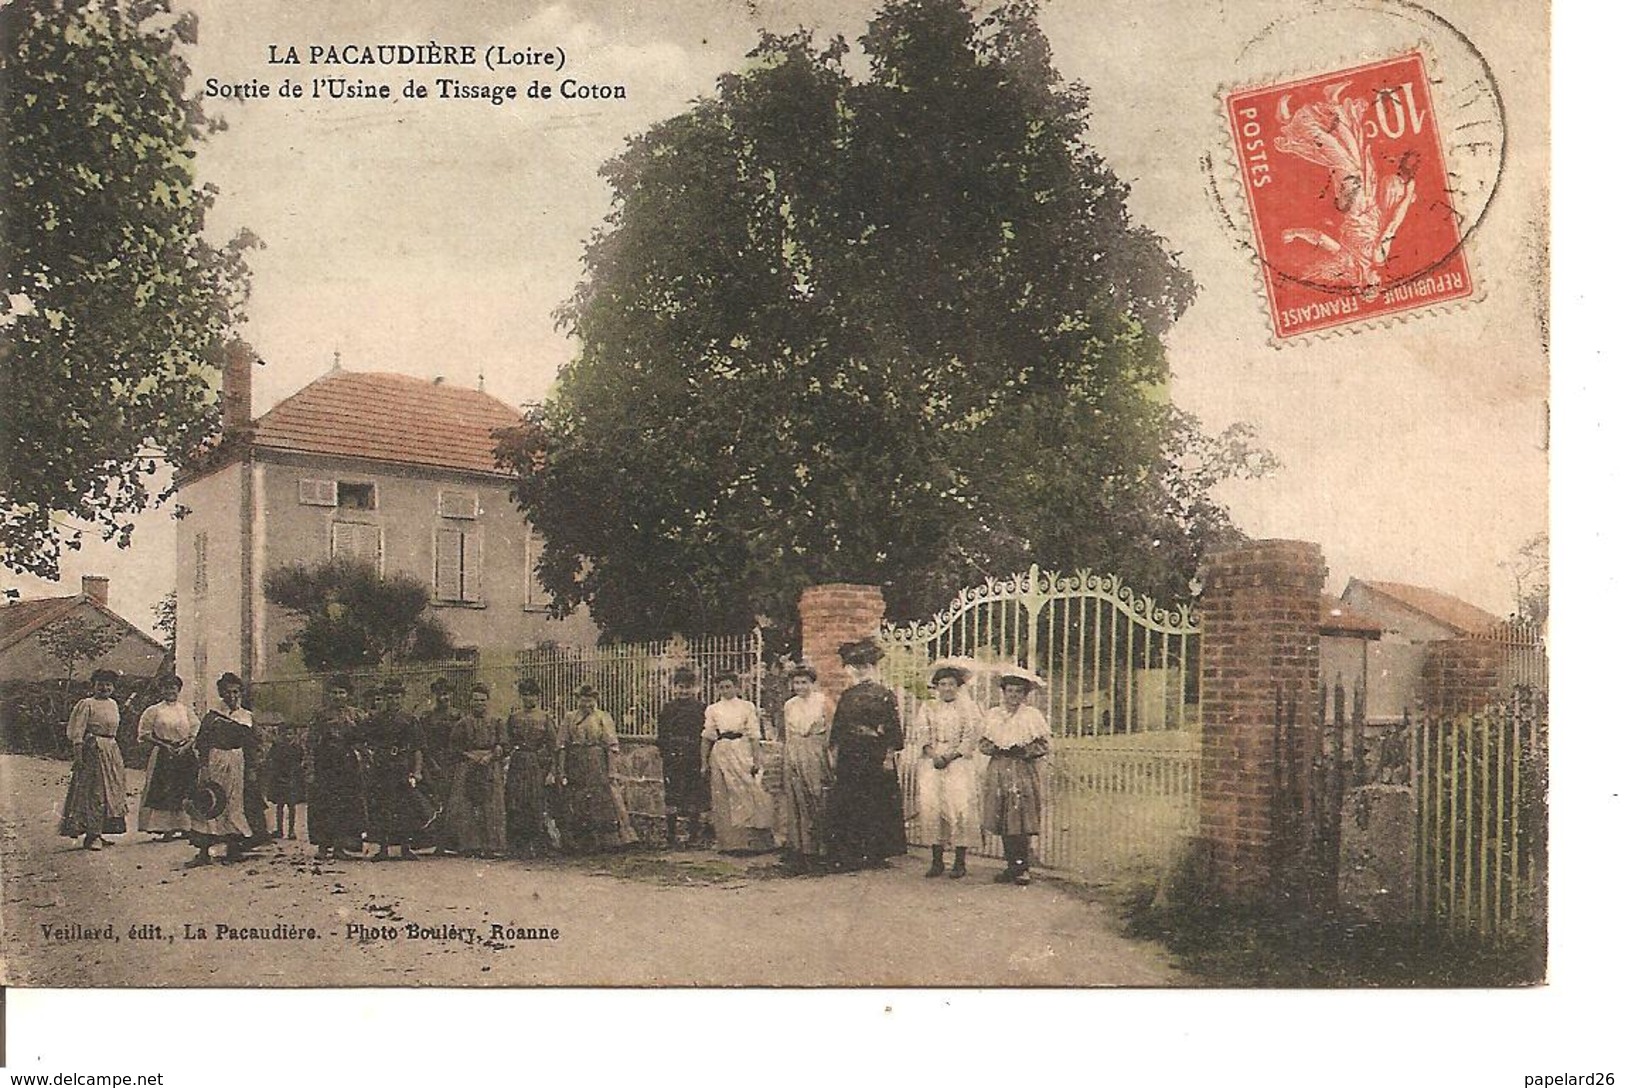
x=471 y=566
x=352 y=540
x=200 y=569
x=344 y=540
x=448 y=563
x=318 y=493
x=462 y=505
x=370 y=545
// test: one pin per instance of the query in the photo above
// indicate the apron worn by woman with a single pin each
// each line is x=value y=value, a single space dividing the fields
x=95 y=804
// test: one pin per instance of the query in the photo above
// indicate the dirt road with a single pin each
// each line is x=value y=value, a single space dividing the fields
x=131 y=916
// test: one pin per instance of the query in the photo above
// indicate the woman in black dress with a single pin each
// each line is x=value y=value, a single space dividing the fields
x=866 y=802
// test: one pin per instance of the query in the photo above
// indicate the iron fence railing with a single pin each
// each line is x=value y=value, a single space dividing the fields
x=633 y=679
x=1481 y=805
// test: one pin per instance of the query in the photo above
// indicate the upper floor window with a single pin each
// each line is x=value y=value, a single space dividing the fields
x=357 y=496
x=457 y=564
x=318 y=493
x=342 y=494
x=461 y=505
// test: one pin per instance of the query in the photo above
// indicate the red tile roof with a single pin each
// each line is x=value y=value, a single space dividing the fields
x=20 y=619
x=1337 y=618
x=388 y=417
x=1453 y=612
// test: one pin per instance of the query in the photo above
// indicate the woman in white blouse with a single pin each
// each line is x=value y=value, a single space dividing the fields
x=806 y=767
x=741 y=810
x=1015 y=736
x=946 y=732
x=171 y=727
x=95 y=804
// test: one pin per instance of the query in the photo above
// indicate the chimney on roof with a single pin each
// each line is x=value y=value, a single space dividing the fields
x=237 y=386
x=94 y=586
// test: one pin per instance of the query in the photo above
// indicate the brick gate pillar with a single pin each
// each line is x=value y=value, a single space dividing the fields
x=1260 y=650
x=830 y=615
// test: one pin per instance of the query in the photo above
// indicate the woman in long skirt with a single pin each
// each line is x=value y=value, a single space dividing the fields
x=95 y=805
x=171 y=727
x=946 y=733
x=393 y=744
x=595 y=814
x=1015 y=736
x=476 y=813
x=741 y=809
x=222 y=743
x=437 y=722
x=531 y=774
x=806 y=767
x=336 y=812
x=866 y=802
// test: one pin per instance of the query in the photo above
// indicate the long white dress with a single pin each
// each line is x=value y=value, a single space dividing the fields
x=806 y=770
x=741 y=809
x=947 y=797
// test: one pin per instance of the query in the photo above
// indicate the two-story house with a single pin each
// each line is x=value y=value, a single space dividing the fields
x=393 y=470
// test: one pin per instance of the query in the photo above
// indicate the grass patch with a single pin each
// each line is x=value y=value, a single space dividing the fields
x=1225 y=947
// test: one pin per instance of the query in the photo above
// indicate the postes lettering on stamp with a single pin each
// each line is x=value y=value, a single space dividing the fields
x=1349 y=195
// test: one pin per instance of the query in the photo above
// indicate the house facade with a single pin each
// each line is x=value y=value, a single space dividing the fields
x=23 y=655
x=391 y=470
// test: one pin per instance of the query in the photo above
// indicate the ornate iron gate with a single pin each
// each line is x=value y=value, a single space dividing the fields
x=1121 y=696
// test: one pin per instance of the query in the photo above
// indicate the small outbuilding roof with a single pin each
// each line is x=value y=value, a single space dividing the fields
x=1434 y=604
x=19 y=619
x=1337 y=618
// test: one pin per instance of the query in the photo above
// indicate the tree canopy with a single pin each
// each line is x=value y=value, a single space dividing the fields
x=897 y=329
x=115 y=306
x=350 y=616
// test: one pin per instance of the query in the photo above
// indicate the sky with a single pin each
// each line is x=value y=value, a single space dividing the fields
x=438 y=238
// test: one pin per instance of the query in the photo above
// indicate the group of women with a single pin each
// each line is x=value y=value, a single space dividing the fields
x=202 y=777
x=458 y=782
x=471 y=783
x=842 y=798
x=468 y=782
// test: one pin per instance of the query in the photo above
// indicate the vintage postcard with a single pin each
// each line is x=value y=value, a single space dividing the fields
x=882 y=493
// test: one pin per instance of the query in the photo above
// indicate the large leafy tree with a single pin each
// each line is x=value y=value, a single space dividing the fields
x=897 y=329
x=115 y=306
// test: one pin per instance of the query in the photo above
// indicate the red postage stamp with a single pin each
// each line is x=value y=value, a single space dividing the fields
x=1350 y=195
